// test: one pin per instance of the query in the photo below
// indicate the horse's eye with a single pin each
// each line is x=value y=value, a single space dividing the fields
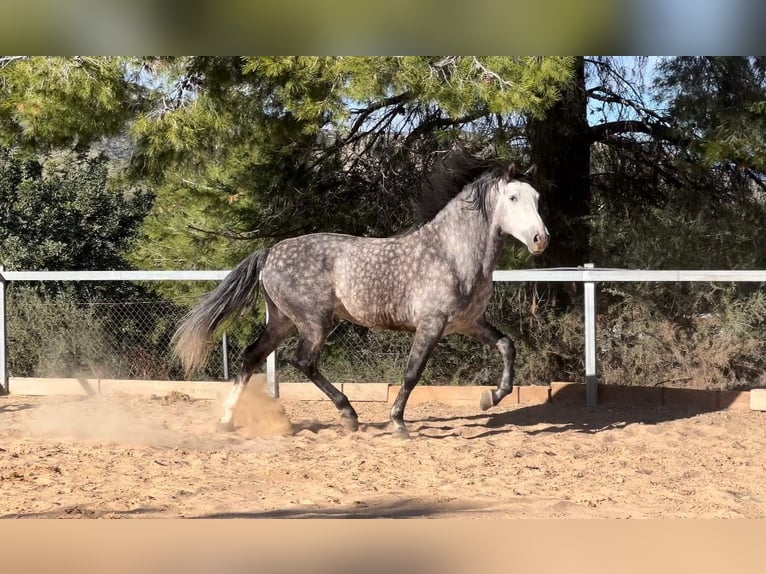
x=514 y=198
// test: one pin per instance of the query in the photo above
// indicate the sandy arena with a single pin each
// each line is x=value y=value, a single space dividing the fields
x=120 y=456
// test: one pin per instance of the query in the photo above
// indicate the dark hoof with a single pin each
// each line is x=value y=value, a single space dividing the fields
x=487 y=401
x=350 y=423
x=225 y=427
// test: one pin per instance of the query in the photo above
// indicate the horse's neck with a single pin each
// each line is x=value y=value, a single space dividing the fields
x=469 y=240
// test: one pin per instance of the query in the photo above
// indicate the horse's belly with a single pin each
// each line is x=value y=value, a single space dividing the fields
x=372 y=288
x=373 y=312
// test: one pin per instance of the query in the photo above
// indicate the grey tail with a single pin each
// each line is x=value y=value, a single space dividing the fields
x=238 y=290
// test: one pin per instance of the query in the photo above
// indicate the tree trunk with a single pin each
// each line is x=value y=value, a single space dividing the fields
x=560 y=146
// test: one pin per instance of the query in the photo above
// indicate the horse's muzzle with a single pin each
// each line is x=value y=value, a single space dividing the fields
x=539 y=243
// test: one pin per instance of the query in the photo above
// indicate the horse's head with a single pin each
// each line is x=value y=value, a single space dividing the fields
x=516 y=211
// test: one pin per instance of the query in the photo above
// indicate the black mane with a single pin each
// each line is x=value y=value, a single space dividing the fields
x=448 y=178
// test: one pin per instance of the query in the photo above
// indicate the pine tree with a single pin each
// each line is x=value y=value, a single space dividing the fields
x=256 y=149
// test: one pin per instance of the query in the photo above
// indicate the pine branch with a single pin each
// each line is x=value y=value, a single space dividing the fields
x=250 y=235
x=603 y=132
x=610 y=69
x=603 y=94
x=437 y=122
x=364 y=113
x=397 y=105
x=756 y=177
x=488 y=74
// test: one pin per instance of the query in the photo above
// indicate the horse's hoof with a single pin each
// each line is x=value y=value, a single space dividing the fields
x=486 y=401
x=225 y=427
x=349 y=423
x=400 y=431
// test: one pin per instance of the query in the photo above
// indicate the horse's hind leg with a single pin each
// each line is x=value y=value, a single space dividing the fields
x=277 y=330
x=485 y=333
x=310 y=343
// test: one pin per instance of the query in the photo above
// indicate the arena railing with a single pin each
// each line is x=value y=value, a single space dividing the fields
x=588 y=275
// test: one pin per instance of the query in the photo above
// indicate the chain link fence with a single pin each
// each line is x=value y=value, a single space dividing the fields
x=702 y=338
x=79 y=334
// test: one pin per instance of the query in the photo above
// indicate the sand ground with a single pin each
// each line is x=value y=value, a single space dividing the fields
x=120 y=456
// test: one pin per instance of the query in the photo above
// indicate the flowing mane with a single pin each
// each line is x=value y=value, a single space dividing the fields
x=449 y=177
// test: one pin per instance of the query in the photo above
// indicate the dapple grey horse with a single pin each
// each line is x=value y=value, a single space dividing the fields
x=433 y=280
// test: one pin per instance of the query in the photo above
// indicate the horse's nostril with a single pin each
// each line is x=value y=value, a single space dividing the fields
x=536 y=238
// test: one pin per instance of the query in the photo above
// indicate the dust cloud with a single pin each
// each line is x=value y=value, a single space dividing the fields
x=125 y=418
x=258 y=414
x=109 y=418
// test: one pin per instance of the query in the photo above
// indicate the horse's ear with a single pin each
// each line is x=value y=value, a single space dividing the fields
x=531 y=172
x=511 y=172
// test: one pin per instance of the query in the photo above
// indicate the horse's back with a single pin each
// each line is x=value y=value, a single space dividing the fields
x=315 y=252
x=365 y=280
x=298 y=273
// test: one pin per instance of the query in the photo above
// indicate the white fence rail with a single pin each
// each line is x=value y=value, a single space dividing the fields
x=589 y=275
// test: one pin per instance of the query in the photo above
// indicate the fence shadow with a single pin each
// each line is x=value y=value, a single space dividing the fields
x=554 y=418
x=402 y=508
x=14 y=407
x=79 y=511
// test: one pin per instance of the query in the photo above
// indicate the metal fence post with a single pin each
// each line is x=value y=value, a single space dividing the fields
x=225 y=353
x=4 y=385
x=272 y=386
x=591 y=380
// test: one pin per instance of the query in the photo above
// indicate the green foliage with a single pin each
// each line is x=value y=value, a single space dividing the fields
x=315 y=89
x=252 y=150
x=720 y=102
x=691 y=203
x=56 y=102
x=242 y=151
x=705 y=236
x=61 y=214
x=687 y=335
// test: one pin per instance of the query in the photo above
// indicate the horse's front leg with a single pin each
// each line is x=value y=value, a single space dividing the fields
x=485 y=333
x=426 y=337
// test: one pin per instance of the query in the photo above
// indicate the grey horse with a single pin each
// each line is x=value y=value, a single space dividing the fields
x=433 y=280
